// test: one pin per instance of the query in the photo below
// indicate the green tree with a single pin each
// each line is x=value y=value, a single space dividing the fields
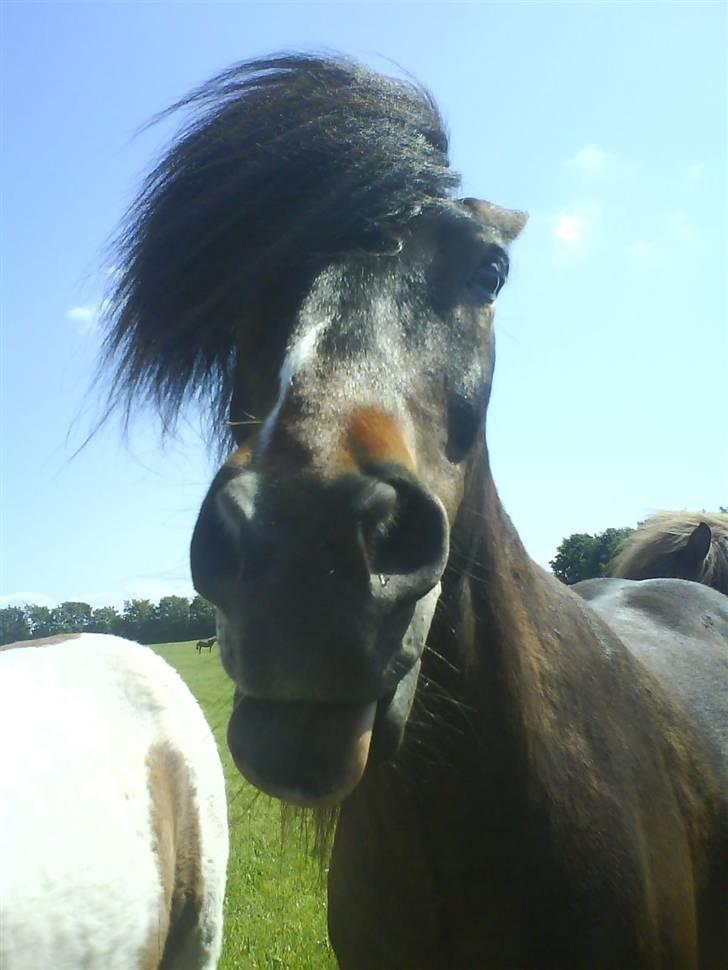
x=106 y=619
x=202 y=619
x=172 y=619
x=71 y=617
x=14 y=624
x=138 y=620
x=40 y=619
x=584 y=556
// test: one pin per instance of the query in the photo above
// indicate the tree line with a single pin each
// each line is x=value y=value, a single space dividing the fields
x=579 y=556
x=173 y=618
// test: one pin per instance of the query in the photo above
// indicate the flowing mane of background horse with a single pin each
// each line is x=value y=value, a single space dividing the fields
x=683 y=545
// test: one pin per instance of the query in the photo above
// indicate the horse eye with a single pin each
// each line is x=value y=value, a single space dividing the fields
x=489 y=278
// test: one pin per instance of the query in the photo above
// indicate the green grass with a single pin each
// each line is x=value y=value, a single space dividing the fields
x=275 y=905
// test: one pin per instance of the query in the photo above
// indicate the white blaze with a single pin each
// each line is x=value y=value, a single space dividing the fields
x=301 y=350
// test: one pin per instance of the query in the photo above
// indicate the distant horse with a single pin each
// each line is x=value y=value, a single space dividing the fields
x=682 y=545
x=113 y=820
x=526 y=779
x=206 y=644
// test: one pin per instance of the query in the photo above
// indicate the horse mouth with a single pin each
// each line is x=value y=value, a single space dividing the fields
x=306 y=753
x=313 y=753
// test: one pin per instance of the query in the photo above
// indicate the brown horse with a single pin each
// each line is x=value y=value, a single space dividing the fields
x=206 y=644
x=526 y=779
x=682 y=545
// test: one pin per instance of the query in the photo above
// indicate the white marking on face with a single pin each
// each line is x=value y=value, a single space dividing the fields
x=236 y=502
x=300 y=350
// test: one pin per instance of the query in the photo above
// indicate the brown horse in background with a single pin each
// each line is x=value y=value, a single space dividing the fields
x=206 y=644
x=527 y=779
x=681 y=545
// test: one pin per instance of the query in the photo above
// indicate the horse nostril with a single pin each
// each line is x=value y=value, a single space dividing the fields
x=376 y=510
x=403 y=531
x=225 y=515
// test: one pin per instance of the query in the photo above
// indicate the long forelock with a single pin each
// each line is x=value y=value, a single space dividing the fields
x=283 y=165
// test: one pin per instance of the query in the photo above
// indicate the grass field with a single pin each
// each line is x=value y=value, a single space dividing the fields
x=275 y=907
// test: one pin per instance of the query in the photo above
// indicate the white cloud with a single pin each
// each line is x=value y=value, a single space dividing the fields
x=695 y=172
x=570 y=229
x=20 y=599
x=138 y=588
x=150 y=588
x=574 y=231
x=87 y=316
x=589 y=160
x=142 y=588
x=81 y=314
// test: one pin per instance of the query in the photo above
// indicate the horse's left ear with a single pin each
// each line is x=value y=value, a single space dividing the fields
x=509 y=222
x=698 y=545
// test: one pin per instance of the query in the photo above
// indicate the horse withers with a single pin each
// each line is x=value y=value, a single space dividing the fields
x=113 y=817
x=523 y=782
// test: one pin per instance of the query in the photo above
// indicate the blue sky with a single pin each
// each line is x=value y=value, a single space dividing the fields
x=606 y=121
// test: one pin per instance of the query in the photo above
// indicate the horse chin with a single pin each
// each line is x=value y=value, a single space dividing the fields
x=305 y=753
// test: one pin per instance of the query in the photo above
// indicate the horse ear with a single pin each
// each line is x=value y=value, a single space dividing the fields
x=698 y=545
x=510 y=222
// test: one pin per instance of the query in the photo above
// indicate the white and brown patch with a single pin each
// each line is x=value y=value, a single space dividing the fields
x=113 y=817
x=176 y=829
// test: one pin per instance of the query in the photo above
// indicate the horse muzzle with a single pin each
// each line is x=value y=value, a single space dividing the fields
x=325 y=593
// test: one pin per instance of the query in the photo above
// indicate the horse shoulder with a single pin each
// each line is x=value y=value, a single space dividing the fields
x=678 y=631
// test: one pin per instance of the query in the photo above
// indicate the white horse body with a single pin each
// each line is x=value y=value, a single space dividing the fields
x=113 y=819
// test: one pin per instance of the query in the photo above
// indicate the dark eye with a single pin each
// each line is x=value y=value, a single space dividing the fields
x=489 y=278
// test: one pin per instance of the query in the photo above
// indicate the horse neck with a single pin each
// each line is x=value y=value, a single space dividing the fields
x=504 y=639
x=493 y=594
x=530 y=668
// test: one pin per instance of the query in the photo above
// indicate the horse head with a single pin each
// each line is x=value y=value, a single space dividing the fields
x=323 y=538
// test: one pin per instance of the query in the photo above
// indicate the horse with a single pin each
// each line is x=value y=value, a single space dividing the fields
x=206 y=644
x=682 y=545
x=520 y=776
x=113 y=817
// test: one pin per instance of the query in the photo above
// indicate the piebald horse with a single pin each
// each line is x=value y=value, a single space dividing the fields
x=525 y=779
x=113 y=818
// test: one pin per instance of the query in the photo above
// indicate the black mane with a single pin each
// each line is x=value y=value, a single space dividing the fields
x=283 y=162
